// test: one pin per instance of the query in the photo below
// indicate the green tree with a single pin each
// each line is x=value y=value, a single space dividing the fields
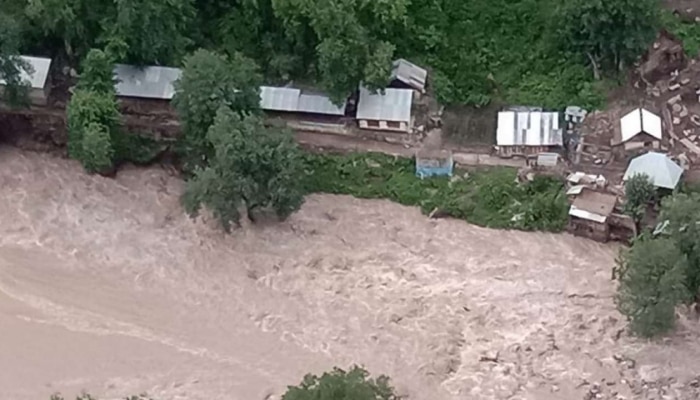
x=338 y=384
x=77 y=24
x=97 y=72
x=90 y=114
x=15 y=91
x=351 y=38
x=681 y=214
x=97 y=151
x=154 y=31
x=210 y=80
x=611 y=34
x=253 y=166
x=639 y=191
x=652 y=282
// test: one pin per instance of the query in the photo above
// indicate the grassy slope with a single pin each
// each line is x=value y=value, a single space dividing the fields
x=485 y=197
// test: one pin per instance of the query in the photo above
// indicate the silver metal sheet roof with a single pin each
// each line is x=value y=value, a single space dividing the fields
x=659 y=167
x=529 y=129
x=409 y=73
x=147 y=82
x=40 y=72
x=640 y=121
x=319 y=104
x=393 y=105
x=279 y=98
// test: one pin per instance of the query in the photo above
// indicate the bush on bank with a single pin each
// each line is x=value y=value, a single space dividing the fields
x=490 y=198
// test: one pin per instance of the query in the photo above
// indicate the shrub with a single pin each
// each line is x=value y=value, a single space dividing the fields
x=338 y=384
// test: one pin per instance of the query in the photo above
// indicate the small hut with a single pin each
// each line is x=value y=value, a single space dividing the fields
x=37 y=77
x=146 y=90
x=407 y=75
x=589 y=213
x=388 y=111
x=639 y=128
x=434 y=162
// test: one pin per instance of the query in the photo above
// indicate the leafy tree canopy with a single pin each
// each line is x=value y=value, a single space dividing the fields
x=349 y=38
x=15 y=92
x=338 y=384
x=252 y=166
x=681 y=212
x=209 y=81
x=652 y=278
x=92 y=115
x=154 y=31
x=611 y=34
x=639 y=190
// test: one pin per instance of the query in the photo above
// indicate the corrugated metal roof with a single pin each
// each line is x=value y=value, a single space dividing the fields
x=148 y=82
x=595 y=217
x=409 y=73
x=279 y=98
x=529 y=129
x=640 y=121
x=319 y=104
x=40 y=72
x=393 y=105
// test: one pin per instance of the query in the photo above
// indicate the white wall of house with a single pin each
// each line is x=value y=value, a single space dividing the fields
x=393 y=126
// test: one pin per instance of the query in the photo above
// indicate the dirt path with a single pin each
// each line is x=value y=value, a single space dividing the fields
x=315 y=140
x=105 y=285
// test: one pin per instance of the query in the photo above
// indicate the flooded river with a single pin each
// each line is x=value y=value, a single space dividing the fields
x=105 y=285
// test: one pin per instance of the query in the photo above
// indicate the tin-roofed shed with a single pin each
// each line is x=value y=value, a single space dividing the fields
x=589 y=213
x=390 y=111
x=279 y=98
x=528 y=132
x=37 y=77
x=145 y=90
x=405 y=74
x=156 y=83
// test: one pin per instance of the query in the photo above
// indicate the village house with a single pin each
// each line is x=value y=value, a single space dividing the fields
x=388 y=111
x=638 y=129
x=147 y=90
x=406 y=75
x=37 y=79
x=295 y=104
x=589 y=213
x=528 y=132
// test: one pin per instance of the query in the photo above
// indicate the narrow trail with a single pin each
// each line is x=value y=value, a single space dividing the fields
x=106 y=285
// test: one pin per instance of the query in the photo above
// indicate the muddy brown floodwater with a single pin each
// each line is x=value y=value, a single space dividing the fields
x=106 y=285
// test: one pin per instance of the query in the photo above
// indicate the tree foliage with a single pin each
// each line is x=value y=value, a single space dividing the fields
x=349 y=37
x=15 y=91
x=639 y=191
x=76 y=24
x=97 y=72
x=682 y=211
x=91 y=114
x=253 y=166
x=652 y=282
x=154 y=31
x=338 y=384
x=209 y=81
x=611 y=34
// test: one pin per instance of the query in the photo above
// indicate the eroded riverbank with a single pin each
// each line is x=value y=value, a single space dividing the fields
x=106 y=285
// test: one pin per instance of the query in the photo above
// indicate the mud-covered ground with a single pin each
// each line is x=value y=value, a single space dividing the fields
x=106 y=285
